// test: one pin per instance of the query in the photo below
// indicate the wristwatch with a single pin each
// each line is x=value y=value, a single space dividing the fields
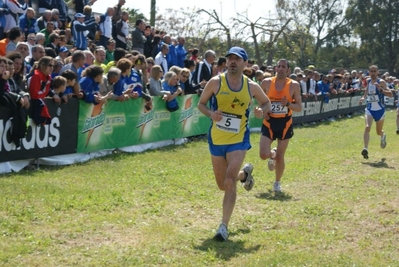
x=288 y=104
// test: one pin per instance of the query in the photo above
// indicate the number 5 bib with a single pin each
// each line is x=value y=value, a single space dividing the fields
x=229 y=122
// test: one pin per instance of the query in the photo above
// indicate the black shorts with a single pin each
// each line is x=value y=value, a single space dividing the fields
x=278 y=128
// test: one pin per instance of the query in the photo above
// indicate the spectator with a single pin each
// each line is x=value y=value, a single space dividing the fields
x=90 y=84
x=156 y=45
x=150 y=64
x=89 y=59
x=30 y=41
x=15 y=10
x=117 y=12
x=148 y=33
x=80 y=29
x=71 y=78
x=155 y=85
x=47 y=31
x=183 y=79
x=37 y=54
x=39 y=88
x=23 y=48
x=48 y=51
x=14 y=36
x=105 y=27
x=41 y=22
x=99 y=55
x=78 y=61
x=14 y=102
x=112 y=77
x=259 y=76
x=203 y=71
x=194 y=55
x=118 y=54
x=139 y=78
x=109 y=53
x=138 y=38
x=122 y=30
x=54 y=40
x=80 y=4
x=121 y=93
x=116 y=17
x=161 y=60
x=170 y=85
x=27 y=22
x=88 y=13
x=19 y=70
x=171 y=56
x=220 y=67
x=40 y=38
x=181 y=51
x=62 y=53
x=58 y=65
x=58 y=87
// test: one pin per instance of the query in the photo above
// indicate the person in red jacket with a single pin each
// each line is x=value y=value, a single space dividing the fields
x=39 y=88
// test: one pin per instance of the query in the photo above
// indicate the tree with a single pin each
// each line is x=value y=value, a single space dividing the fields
x=317 y=21
x=262 y=26
x=376 y=22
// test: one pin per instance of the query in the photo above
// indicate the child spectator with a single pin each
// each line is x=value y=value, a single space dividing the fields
x=71 y=78
x=89 y=84
x=59 y=85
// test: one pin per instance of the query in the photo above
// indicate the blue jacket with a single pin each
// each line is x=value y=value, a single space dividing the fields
x=181 y=54
x=90 y=88
x=27 y=25
x=78 y=32
x=171 y=57
x=171 y=105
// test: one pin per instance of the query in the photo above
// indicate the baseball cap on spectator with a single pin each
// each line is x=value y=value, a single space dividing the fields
x=63 y=49
x=79 y=15
x=311 y=67
x=239 y=52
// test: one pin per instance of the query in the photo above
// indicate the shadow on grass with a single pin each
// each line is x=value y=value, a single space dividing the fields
x=271 y=195
x=380 y=164
x=227 y=250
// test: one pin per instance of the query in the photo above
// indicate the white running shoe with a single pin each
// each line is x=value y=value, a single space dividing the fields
x=277 y=187
x=222 y=234
x=383 y=143
x=249 y=181
x=271 y=164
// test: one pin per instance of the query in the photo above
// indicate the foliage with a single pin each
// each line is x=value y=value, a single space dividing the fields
x=161 y=207
x=377 y=24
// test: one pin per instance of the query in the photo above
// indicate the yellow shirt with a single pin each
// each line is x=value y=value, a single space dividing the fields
x=233 y=128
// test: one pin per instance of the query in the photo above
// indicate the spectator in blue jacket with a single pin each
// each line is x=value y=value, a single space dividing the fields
x=181 y=52
x=27 y=22
x=90 y=85
x=80 y=29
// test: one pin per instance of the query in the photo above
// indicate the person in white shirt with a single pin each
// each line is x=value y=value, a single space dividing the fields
x=122 y=29
x=16 y=9
x=161 y=60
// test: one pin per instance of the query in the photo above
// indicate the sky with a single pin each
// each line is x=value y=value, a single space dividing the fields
x=225 y=8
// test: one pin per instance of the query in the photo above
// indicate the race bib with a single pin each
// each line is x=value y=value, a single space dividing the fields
x=372 y=98
x=229 y=123
x=278 y=108
x=372 y=89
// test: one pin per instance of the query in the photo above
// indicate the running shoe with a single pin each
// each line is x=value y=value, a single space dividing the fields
x=222 y=234
x=277 y=187
x=271 y=164
x=249 y=179
x=365 y=153
x=383 y=143
x=397 y=131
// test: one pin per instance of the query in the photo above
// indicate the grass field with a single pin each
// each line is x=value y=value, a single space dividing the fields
x=162 y=207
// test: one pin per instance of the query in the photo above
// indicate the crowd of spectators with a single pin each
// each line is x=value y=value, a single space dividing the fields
x=87 y=57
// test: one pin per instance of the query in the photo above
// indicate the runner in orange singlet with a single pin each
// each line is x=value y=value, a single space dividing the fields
x=285 y=97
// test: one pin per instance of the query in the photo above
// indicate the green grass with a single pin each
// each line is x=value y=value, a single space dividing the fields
x=162 y=207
